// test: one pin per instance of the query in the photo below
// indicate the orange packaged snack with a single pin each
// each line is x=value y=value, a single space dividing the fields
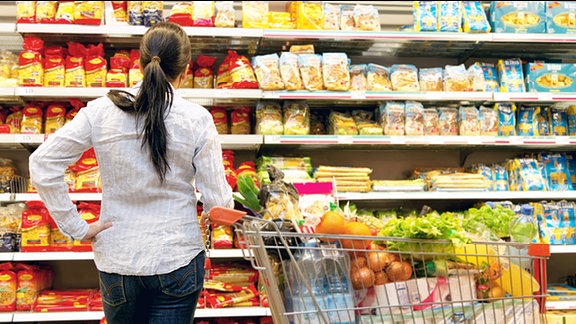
x=95 y=66
x=75 y=73
x=88 y=12
x=254 y=14
x=204 y=75
x=31 y=119
x=30 y=69
x=54 y=67
x=55 y=118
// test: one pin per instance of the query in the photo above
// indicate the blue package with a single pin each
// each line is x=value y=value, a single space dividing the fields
x=518 y=16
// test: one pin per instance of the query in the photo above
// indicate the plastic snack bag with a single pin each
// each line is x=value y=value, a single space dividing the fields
x=358 y=81
x=490 y=77
x=181 y=13
x=404 y=77
x=342 y=124
x=430 y=120
x=558 y=121
x=476 y=77
x=269 y=118
x=254 y=14
x=153 y=12
x=488 y=121
x=75 y=72
x=474 y=17
x=290 y=72
x=225 y=14
x=267 y=70
x=449 y=16
x=240 y=120
x=347 y=21
x=309 y=15
x=55 y=118
x=220 y=117
x=296 y=118
x=335 y=71
x=32 y=117
x=310 y=66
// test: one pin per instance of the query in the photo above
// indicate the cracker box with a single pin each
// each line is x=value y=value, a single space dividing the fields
x=548 y=77
x=560 y=17
x=518 y=16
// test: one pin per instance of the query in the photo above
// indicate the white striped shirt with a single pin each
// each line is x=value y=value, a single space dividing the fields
x=154 y=226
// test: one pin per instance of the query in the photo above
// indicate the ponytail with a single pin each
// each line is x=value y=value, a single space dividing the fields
x=164 y=54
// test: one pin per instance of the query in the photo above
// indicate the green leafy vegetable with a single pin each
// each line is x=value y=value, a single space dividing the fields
x=249 y=193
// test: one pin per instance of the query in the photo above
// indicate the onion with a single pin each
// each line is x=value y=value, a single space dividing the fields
x=362 y=278
x=399 y=271
x=379 y=260
x=359 y=262
x=380 y=278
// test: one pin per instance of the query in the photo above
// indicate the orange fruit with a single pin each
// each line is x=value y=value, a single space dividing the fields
x=356 y=228
x=331 y=223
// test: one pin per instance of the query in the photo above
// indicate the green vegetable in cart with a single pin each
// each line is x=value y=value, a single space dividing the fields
x=249 y=193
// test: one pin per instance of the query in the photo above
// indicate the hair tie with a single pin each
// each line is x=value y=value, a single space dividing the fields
x=156 y=58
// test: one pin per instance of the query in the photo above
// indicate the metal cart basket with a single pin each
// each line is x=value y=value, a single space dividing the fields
x=314 y=278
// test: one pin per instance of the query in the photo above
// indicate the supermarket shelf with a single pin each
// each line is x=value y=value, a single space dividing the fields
x=227 y=253
x=233 y=312
x=6 y=317
x=459 y=195
x=561 y=304
x=35 y=196
x=56 y=316
x=52 y=256
x=241 y=142
x=6 y=256
x=534 y=96
x=562 y=248
x=60 y=92
x=7 y=28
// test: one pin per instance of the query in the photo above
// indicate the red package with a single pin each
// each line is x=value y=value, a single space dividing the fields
x=30 y=63
x=220 y=117
x=32 y=116
x=223 y=80
x=35 y=228
x=54 y=66
x=28 y=288
x=75 y=72
x=8 y=286
x=88 y=12
x=181 y=14
x=240 y=122
x=203 y=75
x=55 y=118
x=58 y=241
x=95 y=66
x=117 y=76
x=222 y=237
x=76 y=106
x=219 y=300
x=241 y=72
x=14 y=119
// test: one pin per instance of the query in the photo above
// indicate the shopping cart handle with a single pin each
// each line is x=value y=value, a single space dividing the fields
x=225 y=216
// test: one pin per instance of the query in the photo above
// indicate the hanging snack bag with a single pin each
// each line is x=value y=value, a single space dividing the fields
x=392 y=118
x=488 y=121
x=474 y=17
x=225 y=14
x=296 y=118
x=88 y=12
x=204 y=75
x=431 y=79
x=558 y=121
x=404 y=77
x=425 y=16
x=414 y=119
x=203 y=13
x=136 y=13
x=490 y=77
x=30 y=69
x=46 y=11
x=120 y=11
x=220 y=117
x=309 y=15
x=430 y=119
x=95 y=66
x=240 y=120
x=378 y=78
x=55 y=118
x=290 y=72
x=448 y=121
x=358 y=80
x=31 y=119
x=267 y=70
x=181 y=13
x=366 y=17
x=254 y=14
x=331 y=16
x=25 y=12
x=134 y=74
x=65 y=12
x=468 y=121
x=241 y=72
x=449 y=16
x=506 y=119
x=310 y=66
x=269 y=118
x=54 y=67
x=347 y=21
x=456 y=78
x=335 y=71
x=75 y=73
x=528 y=121
x=153 y=12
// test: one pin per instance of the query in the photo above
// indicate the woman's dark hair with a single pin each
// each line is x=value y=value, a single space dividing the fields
x=164 y=54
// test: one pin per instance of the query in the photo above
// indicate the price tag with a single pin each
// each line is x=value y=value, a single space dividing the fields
x=562 y=140
x=222 y=93
x=545 y=96
x=29 y=90
x=345 y=140
x=272 y=139
x=397 y=140
x=24 y=138
x=357 y=95
x=501 y=96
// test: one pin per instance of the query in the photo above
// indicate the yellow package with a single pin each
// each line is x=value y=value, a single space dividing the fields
x=266 y=68
x=134 y=76
x=88 y=12
x=55 y=118
x=25 y=12
x=225 y=14
x=254 y=14
x=46 y=11
x=31 y=120
x=88 y=181
x=55 y=72
x=14 y=120
x=65 y=13
x=302 y=49
x=280 y=20
x=96 y=72
x=310 y=15
x=75 y=77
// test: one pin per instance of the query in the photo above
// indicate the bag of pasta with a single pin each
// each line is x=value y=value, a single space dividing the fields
x=341 y=123
x=331 y=16
x=392 y=118
x=269 y=118
x=347 y=21
x=468 y=121
x=431 y=79
x=30 y=69
x=25 y=12
x=366 y=17
x=75 y=72
x=430 y=116
x=240 y=120
x=309 y=15
x=310 y=66
x=225 y=14
x=241 y=72
x=55 y=118
x=365 y=123
x=456 y=78
x=89 y=12
x=95 y=66
x=64 y=13
x=32 y=117
x=279 y=198
x=335 y=71
x=254 y=14
x=448 y=121
x=358 y=80
x=203 y=13
x=267 y=70
x=54 y=67
x=45 y=11
x=204 y=75
x=404 y=77
x=378 y=78
x=296 y=118
x=414 y=119
x=181 y=13
x=488 y=121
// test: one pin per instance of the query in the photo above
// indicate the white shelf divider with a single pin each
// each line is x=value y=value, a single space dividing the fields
x=561 y=304
x=6 y=256
x=556 y=249
x=56 y=316
x=52 y=256
x=459 y=195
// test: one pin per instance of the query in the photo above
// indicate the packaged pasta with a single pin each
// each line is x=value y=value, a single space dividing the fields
x=335 y=71
x=310 y=66
x=358 y=80
x=55 y=118
x=25 y=12
x=456 y=78
x=331 y=16
x=203 y=75
x=220 y=117
x=378 y=78
x=449 y=16
x=188 y=81
x=490 y=77
x=518 y=17
x=203 y=13
x=431 y=79
x=280 y=20
x=476 y=77
x=46 y=11
x=30 y=69
x=181 y=13
x=366 y=17
x=54 y=67
x=548 y=77
x=267 y=70
x=365 y=123
x=95 y=66
x=302 y=49
x=88 y=12
x=223 y=80
x=117 y=76
x=269 y=118
x=225 y=14
x=511 y=75
x=241 y=72
x=560 y=17
x=342 y=124
x=474 y=18
x=571 y=116
x=309 y=15
x=8 y=286
x=488 y=121
x=555 y=171
x=64 y=13
x=76 y=106
x=240 y=120
x=347 y=21
x=430 y=120
x=414 y=119
x=468 y=121
x=392 y=118
x=296 y=118
x=448 y=121
x=14 y=120
x=153 y=12
x=136 y=13
x=528 y=121
x=290 y=72
x=32 y=118
x=506 y=119
x=75 y=73
x=404 y=77
x=558 y=121
x=134 y=73
x=544 y=128
x=120 y=11
x=254 y=14
x=425 y=16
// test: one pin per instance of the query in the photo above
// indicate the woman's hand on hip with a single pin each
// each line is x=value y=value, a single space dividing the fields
x=94 y=229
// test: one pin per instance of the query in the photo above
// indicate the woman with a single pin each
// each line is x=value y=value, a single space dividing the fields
x=153 y=149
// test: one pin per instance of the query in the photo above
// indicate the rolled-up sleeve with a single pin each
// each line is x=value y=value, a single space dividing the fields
x=210 y=178
x=47 y=166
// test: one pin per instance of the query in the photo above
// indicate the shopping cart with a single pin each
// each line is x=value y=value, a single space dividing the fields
x=314 y=278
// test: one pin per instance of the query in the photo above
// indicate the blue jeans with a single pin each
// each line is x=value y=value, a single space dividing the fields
x=163 y=299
